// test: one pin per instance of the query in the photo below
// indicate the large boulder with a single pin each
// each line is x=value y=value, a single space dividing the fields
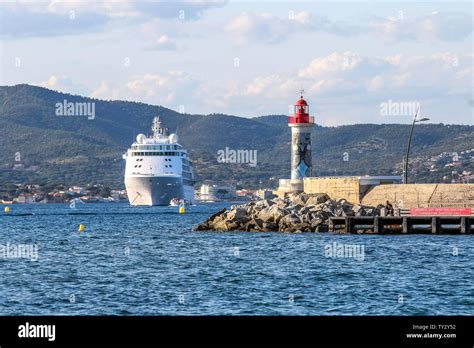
x=281 y=203
x=317 y=199
x=266 y=214
x=208 y=224
x=262 y=204
x=288 y=221
x=253 y=225
x=269 y=227
x=299 y=198
x=295 y=208
x=238 y=214
x=272 y=214
x=220 y=225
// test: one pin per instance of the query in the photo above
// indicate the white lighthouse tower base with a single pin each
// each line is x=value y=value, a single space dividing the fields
x=301 y=163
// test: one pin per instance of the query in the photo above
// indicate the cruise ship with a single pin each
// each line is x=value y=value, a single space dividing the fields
x=158 y=170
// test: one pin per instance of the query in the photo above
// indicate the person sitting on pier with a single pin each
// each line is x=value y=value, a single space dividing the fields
x=389 y=209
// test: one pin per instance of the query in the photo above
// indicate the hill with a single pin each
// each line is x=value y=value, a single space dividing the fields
x=75 y=150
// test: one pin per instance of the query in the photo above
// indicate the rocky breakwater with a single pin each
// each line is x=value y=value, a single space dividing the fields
x=298 y=213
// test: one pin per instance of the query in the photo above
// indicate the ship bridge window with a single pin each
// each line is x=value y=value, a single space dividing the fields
x=150 y=153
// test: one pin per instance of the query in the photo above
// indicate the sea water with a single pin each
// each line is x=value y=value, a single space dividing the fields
x=149 y=261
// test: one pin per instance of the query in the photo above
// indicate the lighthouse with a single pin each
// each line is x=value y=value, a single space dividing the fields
x=301 y=124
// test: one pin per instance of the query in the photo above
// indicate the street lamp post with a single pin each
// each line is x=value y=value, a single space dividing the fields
x=405 y=166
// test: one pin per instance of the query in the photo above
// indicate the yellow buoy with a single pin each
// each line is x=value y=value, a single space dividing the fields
x=181 y=210
x=7 y=209
x=81 y=228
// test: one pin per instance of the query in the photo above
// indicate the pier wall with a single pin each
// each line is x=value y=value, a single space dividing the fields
x=336 y=187
x=422 y=195
x=357 y=191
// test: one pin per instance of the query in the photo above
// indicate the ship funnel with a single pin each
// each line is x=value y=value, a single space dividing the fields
x=158 y=131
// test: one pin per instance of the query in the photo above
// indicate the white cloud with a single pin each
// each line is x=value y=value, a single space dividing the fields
x=434 y=26
x=264 y=27
x=376 y=84
x=343 y=86
x=162 y=36
x=188 y=9
x=169 y=89
x=185 y=9
x=104 y=91
x=64 y=83
x=53 y=18
x=355 y=82
x=121 y=8
x=52 y=82
x=163 y=43
x=332 y=64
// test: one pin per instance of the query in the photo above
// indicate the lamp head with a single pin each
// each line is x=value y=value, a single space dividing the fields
x=422 y=119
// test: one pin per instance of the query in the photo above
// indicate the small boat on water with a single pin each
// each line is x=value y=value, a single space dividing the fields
x=174 y=202
x=179 y=202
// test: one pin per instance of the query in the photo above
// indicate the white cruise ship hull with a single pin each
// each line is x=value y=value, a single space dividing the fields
x=158 y=169
x=156 y=190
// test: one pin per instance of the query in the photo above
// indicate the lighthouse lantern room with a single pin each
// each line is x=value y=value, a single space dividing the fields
x=301 y=112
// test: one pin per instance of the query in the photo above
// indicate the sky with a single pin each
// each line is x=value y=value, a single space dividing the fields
x=251 y=58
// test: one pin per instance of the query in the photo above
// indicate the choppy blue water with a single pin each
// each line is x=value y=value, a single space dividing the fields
x=148 y=261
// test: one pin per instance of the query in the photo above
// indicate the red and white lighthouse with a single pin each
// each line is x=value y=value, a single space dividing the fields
x=301 y=124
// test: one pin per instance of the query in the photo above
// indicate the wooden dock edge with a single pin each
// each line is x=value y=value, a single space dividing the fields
x=402 y=224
